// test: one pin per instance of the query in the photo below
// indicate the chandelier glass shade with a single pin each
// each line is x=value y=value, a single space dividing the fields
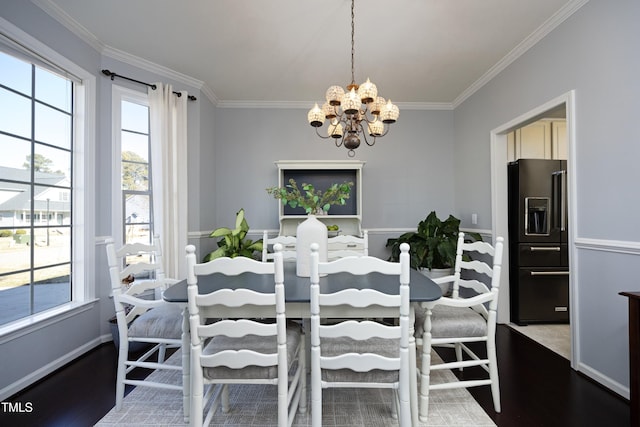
x=355 y=112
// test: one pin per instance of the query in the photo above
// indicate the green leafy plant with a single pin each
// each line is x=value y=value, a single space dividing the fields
x=434 y=243
x=233 y=243
x=310 y=199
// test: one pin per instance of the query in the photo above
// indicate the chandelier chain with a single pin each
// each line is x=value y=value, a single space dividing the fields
x=353 y=50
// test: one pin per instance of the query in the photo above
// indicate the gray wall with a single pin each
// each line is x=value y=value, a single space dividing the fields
x=595 y=53
x=406 y=174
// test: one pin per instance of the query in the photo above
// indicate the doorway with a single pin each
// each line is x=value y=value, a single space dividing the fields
x=562 y=105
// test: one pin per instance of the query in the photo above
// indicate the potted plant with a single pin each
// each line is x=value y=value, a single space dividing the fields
x=234 y=242
x=311 y=200
x=433 y=245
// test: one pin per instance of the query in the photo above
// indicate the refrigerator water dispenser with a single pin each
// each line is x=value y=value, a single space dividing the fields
x=536 y=221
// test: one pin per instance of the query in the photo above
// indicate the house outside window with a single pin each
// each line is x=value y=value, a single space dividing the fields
x=132 y=201
x=36 y=176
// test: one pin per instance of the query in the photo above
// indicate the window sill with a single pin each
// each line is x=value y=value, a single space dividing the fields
x=41 y=320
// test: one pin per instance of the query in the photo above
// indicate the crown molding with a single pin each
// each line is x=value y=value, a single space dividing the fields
x=68 y=22
x=307 y=104
x=81 y=32
x=549 y=25
x=144 y=64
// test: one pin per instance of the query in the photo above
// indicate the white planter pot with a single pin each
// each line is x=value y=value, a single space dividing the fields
x=309 y=231
x=435 y=273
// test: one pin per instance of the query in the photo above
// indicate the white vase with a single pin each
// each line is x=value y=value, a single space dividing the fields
x=309 y=231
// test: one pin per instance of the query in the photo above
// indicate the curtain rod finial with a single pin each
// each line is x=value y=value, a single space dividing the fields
x=109 y=74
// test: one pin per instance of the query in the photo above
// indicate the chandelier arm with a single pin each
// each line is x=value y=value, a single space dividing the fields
x=366 y=116
x=318 y=133
x=386 y=131
x=339 y=141
x=364 y=135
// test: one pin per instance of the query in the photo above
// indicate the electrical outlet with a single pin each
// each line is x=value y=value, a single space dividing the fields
x=474 y=219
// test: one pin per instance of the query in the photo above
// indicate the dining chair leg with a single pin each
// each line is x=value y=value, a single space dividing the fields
x=224 y=398
x=395 y=404
x=425 y=374
x=302 y=359
x=493 y=372
x=316 y=390
x=413 y=370
x=458 y=348
x=122 y=372
x=186 y=365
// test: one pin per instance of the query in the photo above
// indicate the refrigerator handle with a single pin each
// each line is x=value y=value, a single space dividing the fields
x=548 y=273
x=559 y=191
x=563 y=200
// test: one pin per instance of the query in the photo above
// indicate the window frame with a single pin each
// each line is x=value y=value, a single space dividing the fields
x=83 y=289
x=118 y=95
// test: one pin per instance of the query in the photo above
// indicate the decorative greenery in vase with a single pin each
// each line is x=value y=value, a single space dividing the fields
x=311 y=200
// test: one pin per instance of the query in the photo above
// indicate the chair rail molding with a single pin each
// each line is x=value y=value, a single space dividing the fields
x=618 y=246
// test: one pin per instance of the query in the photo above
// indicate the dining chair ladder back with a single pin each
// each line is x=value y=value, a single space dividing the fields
x=288 y=247
x=360 y=353
x=243 y=350
x=344 y=245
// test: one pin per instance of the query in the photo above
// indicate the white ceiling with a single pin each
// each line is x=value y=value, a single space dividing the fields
x=290 y=51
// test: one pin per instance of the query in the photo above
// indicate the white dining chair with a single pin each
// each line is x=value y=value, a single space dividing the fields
x=288 y=247
x=143 y=318
x=345 y=245
x=242 y=350
x=360 y=353
x=469 y=315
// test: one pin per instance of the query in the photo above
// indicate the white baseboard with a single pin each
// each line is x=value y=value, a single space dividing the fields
x=597 y=376
x=26 y=381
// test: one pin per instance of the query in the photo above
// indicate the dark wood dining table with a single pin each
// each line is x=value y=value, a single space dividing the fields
x=297 y=300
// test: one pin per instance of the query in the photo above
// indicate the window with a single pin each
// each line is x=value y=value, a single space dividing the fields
x=133 y=157
x=36 y=166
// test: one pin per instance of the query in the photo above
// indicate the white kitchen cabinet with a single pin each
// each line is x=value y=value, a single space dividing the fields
x=559 y=139
x=321 y=174
x=544 y=139
x=534 y=141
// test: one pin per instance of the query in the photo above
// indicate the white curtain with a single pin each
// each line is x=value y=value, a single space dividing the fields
x=168 y=120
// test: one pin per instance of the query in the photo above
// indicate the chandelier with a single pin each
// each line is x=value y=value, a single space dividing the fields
x=353 y=113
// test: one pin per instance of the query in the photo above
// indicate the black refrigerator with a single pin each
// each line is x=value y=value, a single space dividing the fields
x=538 y=253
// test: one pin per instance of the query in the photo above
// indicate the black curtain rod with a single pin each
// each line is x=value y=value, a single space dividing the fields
x=113 y=75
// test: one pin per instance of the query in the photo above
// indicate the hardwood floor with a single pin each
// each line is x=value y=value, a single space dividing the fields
x=538 y=388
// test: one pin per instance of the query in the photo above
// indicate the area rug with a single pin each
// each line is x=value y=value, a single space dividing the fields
x=255 y=405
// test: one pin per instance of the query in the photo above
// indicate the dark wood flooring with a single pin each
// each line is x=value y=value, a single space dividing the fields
x=538 y=388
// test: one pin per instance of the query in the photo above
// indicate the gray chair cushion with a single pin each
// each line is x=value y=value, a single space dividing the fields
x=447 y=322
x=160 y=322
x=250 y=342
x=336 y=346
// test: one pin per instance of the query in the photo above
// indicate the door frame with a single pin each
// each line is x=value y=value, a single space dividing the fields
x=499 y=198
